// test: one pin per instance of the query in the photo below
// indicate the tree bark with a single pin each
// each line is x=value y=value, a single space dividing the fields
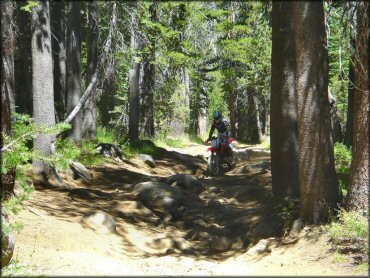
x=147 y=112
x=232 y=103
x=89 y=120
x=42 y=81
x=253 y=120
x=318 y=184
x=134 y=77
x=73 y=67
x=348 y=139
x=336 y=126
x=284 y=128
x=7 y=87
x=7 y=51
x=23 y=62
x=58 y=24
x=106 y=101
x=358 y=191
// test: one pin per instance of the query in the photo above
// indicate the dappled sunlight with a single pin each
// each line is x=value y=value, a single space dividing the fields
x=230 y=205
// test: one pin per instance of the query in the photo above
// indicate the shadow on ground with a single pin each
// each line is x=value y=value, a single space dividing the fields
x=216 y=223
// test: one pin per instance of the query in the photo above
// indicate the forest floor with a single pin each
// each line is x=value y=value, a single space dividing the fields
x=54 y=241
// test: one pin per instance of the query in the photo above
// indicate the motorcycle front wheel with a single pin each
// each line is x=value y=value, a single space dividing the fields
x=214 y=165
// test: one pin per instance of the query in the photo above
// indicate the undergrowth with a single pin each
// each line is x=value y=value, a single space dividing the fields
x=352 y=224
x=177 y=142
x=349 y=235
x=16 y=269
x=342 y=160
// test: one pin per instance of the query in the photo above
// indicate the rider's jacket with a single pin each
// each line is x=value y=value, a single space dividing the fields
x=221 y=127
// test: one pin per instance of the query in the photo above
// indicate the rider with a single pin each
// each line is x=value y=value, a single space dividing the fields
x=223 y=129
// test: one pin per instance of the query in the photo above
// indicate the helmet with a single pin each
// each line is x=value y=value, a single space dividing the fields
x=217 y=115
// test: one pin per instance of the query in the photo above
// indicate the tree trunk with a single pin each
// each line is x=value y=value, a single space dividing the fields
x=7 y=51
x=195 y=107
x=284 y=128
x=23 y=62
x=336 y=126
x=263 y=108
x=89 y=119
x=233 y=103
x=241 y=127
x=147 y=113
x=134 y=77
x=106 y=102
x=73 y=67
x=252 y=128
x=42 y=81
x=358 y=191
x=7 y=87
x=318 y=184
x=58 y=22
x=202 y=113
x=348 y=140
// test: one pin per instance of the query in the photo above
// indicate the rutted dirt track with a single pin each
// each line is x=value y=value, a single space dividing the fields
x=54 y=241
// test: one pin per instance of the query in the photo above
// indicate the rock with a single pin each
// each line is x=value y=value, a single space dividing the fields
x=7 y=249
x=120 y=185
x=238 y=243
x=264 y=165
x=257 y=153
x=202 y=157
x=170 y=251
x=232 y=201
x=180 y=244
x=270 y=226
x=202 y=235
x=109 y=150
x=220 y=244
x=212 y=195
x=214 y=203
x=158 y=196
x=213 y=189
x=7 y=244
x=191 y=234
x=100 y=221
x=289 y=240
x=147 y=159
x=188 y=183
x=297 y=227
x=80 y=171
x=261 y=247
x=161 y=243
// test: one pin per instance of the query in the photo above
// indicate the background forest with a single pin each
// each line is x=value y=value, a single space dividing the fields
x=79 y=73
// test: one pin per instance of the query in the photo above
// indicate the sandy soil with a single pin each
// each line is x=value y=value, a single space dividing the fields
x=55 y=242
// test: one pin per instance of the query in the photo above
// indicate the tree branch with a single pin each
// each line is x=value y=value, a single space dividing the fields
x=84 y=97
x=7 y=147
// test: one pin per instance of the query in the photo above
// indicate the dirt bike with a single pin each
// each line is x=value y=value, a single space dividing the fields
x=220 y=156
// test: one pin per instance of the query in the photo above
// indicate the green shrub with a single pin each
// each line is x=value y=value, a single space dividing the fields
x=168 y=141
x=352 y=224
x=342 y=158
x=15 y=268
x=140 y=146
x=103 y=135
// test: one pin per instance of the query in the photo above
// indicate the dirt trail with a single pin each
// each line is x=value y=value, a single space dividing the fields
x=55 y=242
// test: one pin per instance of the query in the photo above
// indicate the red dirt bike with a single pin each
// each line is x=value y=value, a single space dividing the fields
x=220 y=156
